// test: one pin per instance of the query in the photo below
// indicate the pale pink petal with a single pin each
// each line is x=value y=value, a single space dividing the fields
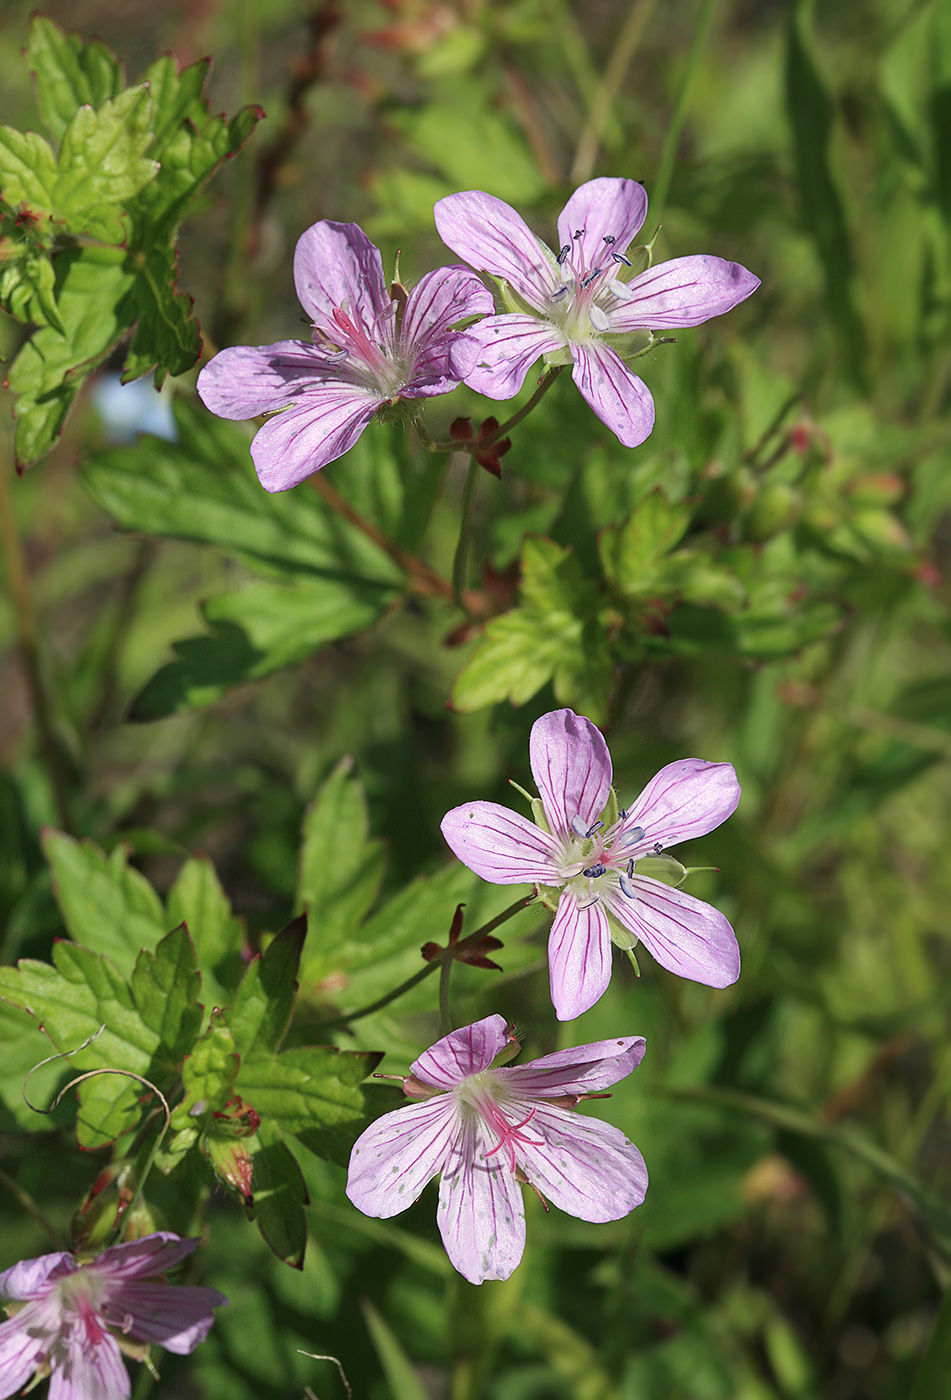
x=298 y=442
x=393 y=1159
x=688 y=937
x=439 y=301
x=493 y=238
x=145 y=1258
x=442 y=365
x=500 y=845
x=175 y=1316
x=582 y=1165
x=246 y=380
x=461 y=1053
x=602 y=208
x=683 y=292
x=21 y=1345
x=336 y=264
x=620 y=399
x=579 y=956
x=481 y=1216
x=572 y=769
x=82 y=1372
x=684 y=800
x=509 y=346
x=585 y=1070
x=27 y=1279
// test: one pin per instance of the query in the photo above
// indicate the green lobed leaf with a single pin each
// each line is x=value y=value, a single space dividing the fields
x=280 y=1196
x=311 y=1086
x=102 y=163
x=166 y=986
x=209 y=1072
x=197 y=900
x=255 y=632
x=264 y=1003
x=340 y=868
x=51 y=367
x=554 y=634
x=27 y=170
x=632 y=551
x=106 y=905
x=203 y=488
x=69 y=72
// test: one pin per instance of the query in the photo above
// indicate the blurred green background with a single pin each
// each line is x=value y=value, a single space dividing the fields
x=795 y=1241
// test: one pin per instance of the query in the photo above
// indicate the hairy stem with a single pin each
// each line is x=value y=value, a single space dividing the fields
x=29 y=1205
x=465 y=520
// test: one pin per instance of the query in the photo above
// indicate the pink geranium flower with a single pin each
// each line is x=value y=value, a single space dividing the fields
x=486 y=1130
x=71 y=1319
x=606 y=862
x=574 y=306
x=367 y=349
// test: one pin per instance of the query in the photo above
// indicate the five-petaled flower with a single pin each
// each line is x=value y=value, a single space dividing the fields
x=568 y=306
x=605 y=861
x=486 y=1129
x=71 y=1320
x=369 y=347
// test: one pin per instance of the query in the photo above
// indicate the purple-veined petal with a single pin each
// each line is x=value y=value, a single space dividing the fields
x=336 y=264
x=442 y=366
x=571 y=767
x=683 y=292
x=508 y=347
x=582 y=1165
x=27 y=1279
x=84 y=1372
x=439 y=301
x=500 y=845
x=145 y=1258
x=461 y=1053
x=620 y=399
x=579 y=956
x=298 y=442
x=393 y=1159
x=22 y=1344
x=585 y=1070
x=684 y=800
x=175 y=1316
x=493 y=238
x=602 y=208
x=688 y=937
x=481 y=1216
x=246 y=380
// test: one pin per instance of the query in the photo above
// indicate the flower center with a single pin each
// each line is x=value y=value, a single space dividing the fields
x=596 y=860
x=575 y=304
x=346 y=339
x=484 y=1093
x=81 y=1295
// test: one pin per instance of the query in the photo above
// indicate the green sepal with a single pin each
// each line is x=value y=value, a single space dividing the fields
x=538 y=814
x=610 y=814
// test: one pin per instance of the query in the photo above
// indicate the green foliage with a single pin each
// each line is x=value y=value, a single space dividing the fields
x=89 y=232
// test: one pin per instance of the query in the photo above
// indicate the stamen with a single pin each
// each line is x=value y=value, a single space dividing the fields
x=559 y=294
x=590 y=904
x=586 y=281
x=578 y=233
x=620 y=258
x=599 y=318
x=635 y=834
x=563 y=254
x=597 y=827
x=609 y=239
x=578 y=827
x=657 y=848
x=626 y=887
x=594 y=872
x=336 y=357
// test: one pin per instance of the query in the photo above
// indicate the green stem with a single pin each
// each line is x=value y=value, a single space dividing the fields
x=445 y=972
x=465 y=520
x=406 y=986
x=668 y=155
x=435 y=445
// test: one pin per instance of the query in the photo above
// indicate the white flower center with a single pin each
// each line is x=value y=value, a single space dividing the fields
x=581 y=306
